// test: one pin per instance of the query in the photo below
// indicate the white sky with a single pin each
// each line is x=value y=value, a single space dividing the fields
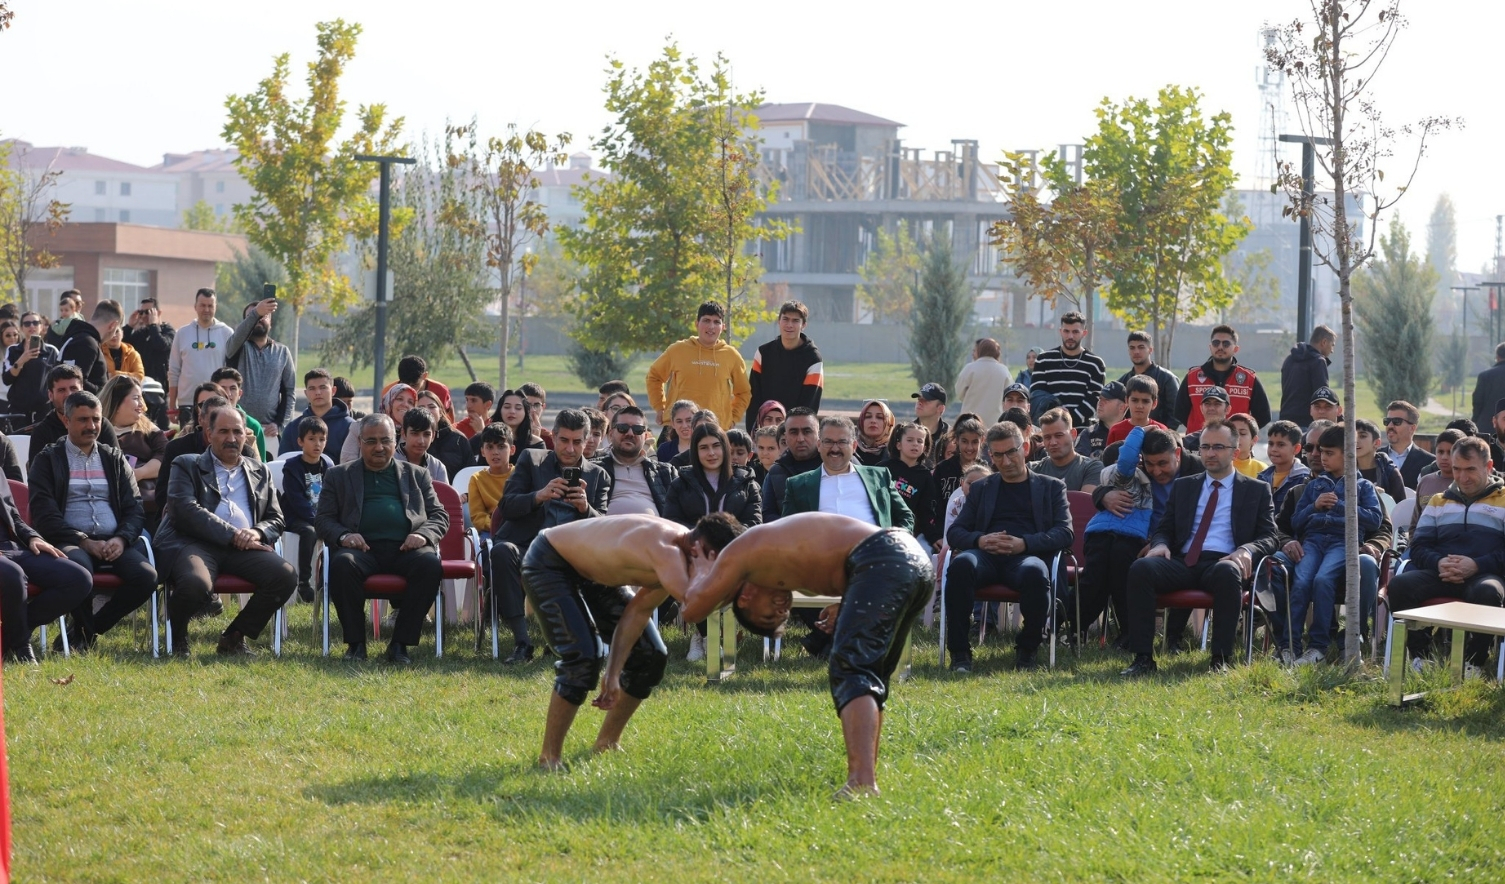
x=132 y=80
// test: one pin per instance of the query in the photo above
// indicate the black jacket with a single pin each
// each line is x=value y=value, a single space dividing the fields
x=690 y=498
x=49 y=496
x=189 y=441
x=1303 y=371
x=28 y=393
x=10 y=462
x=1052 y=516
x=778 y=474
x=921 y=494
x=1416 y=462
x=1488 y=391
x=658 y=475
x=1165 y=403
x=80 y=347
x=188 y=511
x=792 y=378
x=525 y=518
x=1253 y=516
x=154 y=344
x=51 y=428
x=10 y=518
x=453 y=450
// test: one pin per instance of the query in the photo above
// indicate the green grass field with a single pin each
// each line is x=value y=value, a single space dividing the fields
x=311 y=769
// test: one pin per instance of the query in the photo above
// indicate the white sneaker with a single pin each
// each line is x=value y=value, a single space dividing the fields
x=697 y=648
x=1287 y=659
x=1311 y=657
x=1472 y=671
x=1418 y=665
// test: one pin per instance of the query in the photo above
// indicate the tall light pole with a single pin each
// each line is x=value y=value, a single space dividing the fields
x=1308 y=192
x=383 y=228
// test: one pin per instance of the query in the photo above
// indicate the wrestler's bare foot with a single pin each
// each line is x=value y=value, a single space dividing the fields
x=603 y=747
x=855 y=792
x=550 y=765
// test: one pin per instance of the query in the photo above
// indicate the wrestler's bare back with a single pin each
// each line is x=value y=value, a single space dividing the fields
x=631 y=550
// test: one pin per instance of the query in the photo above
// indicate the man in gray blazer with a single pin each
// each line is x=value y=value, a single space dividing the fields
x=382 y=517
x=221 y=517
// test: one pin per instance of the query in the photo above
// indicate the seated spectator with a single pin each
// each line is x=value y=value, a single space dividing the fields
x=10 y=336
x=742 y=449
x=1400 y=429
x=771 y=414
x=302 y=484
x=480 y=399
x=396 y=402
x=1319 y=525
x=597 y=431
x=959 y=496
x=417 y=435
x=712 y=485
x=27 y=364
x=1283 y=447
x=537 y=496
x=639 y=483
x=1112 y=405
x=319 y=389
x=451 y=448
x=686 y=457
x=1214 y=407
x=1374 y=464
x=1248 y=434
x=682 y=420
x=232 y=383
x=485 y=489
x=967 y=431
x=1034 y=443
x=221 y=517
x=1440 y=479
x=1016 y=396
x=1062 y=461
x=195 y=435
x=1009 y=528
x=382 y=517
x=1458 y=551
x=1325 y=405
x=84 y=502
x=1309 y=450
x=1142 y=395
x=766 y=450
x=1113 y=540
x=907 y=449
x=512 y=410
x=140 y=440
x=344 y=392
x=414 y=372
x=28 y=559
x=538 y=402
x=62 y=382
x=875 y=423
x=799 y=434
x=121 y=358
x=609 y=389
x=1215 y=528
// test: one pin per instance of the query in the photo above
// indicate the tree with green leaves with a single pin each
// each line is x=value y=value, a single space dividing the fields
x=1057 y=247
x=27 y=208
x=239 y=283
x=438 y=261
x=310 y=193
x=504 y=178
x=673 y=227
x=1394 y=299
x=200 y=216
x=941 y=314
x=1330 y=59
x=1169 y=167
x=888 y=274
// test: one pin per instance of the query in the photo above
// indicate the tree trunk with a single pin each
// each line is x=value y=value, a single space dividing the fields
x=292 y=343
x=469 y=369
x=505 y=327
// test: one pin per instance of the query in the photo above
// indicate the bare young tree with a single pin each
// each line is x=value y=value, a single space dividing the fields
x=26 y=206
x=1331 y=60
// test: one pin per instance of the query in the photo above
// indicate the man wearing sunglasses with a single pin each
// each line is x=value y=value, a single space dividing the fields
x=1222 y=369
x=1400 y=428
x=639 y=482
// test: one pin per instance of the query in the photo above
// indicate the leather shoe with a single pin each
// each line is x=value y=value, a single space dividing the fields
x=25 y=655
x=233 y=644
x=1219 y=663
x=212 y=608
x=305 y=591
x=1143 y=665
x=398 y=654
x=355 y=651
x=78 y=643
x=1026 y=662
x=180 y=644
x=520 y=654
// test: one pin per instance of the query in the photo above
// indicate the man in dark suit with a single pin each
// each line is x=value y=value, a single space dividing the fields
x=1400 y=429
x=1215 y=528
x=538 y=496
x=1012 y=523
x=384 y=518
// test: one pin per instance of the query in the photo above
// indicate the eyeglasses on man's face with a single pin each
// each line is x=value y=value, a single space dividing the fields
x=383 y=442
x=1219 y=449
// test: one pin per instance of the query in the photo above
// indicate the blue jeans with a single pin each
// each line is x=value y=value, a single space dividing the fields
x=1316 y=581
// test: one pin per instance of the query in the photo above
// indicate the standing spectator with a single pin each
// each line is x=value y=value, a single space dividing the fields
x=62 y=382
x=141 y=441
x=152 y=339
x=1069 y=376
x=70 y=305
x=451 y=448
x=269 y=382
x=27 y=365
x=1374 y=465
x=414 y=371
x=981 y=382
x=875 y=423
x=1222 y=369
x=1283 y=444
x=513 y=411
x=1112 y=405
x=1012 y=523
x=929 y=412
x=1027 y=373
x=1062 y=460
x=232 y=384
x=1456 y=551
x=787 y=370
x=682 y=421
x=82 y=344
x=1142 y=358
x=703 y=368
x=801 y=455
x=302 y=483
x=120 y=357
x=480 y=399
x=1400 y=429
x=10 y=336
x=222 y=517
x=344 y=391
x=1489 y=388
x=198 y=349
x=318 y=387
x=908 y=449
x=1302 y=372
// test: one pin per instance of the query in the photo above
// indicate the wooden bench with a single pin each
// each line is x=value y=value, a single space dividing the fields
x=1460 y=617
x=721 y=640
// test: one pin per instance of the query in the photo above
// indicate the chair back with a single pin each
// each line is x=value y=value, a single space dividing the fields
x=1082 y=511
x=452 y=546
x=461 y=481
x=276 y=467
x=22 y=444
x=1400 y=517
x=1386 y=501
x=22 y=494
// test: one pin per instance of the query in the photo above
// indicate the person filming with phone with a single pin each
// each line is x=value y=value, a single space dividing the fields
x=26 y=365
x=270 y=387
x=546 y=488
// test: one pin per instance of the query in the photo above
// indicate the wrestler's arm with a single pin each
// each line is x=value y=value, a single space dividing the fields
x=629 y=629
x=713 y=582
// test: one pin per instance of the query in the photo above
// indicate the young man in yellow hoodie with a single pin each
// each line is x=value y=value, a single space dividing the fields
x=705 y=369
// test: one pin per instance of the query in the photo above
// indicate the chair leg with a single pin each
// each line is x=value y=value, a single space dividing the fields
x=376 y=619
x=153 y=604
x=439 y=623
x=279 y=622
x=496 y=639
x=324 y=606
x=62 y=632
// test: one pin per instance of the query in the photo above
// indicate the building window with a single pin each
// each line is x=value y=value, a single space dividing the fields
x=125 y=216
x=219 y=187
x=125 y=188
x=219 y=208
x=99 y=188
x=99 y=215
x=127 y=286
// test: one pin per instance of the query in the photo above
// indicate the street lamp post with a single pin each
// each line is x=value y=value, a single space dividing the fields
x=384 y=197
x=1304 y=268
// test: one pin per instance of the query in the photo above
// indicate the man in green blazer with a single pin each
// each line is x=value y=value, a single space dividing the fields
x=841 y=486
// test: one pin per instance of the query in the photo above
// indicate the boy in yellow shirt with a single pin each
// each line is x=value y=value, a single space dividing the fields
x=485 y=490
